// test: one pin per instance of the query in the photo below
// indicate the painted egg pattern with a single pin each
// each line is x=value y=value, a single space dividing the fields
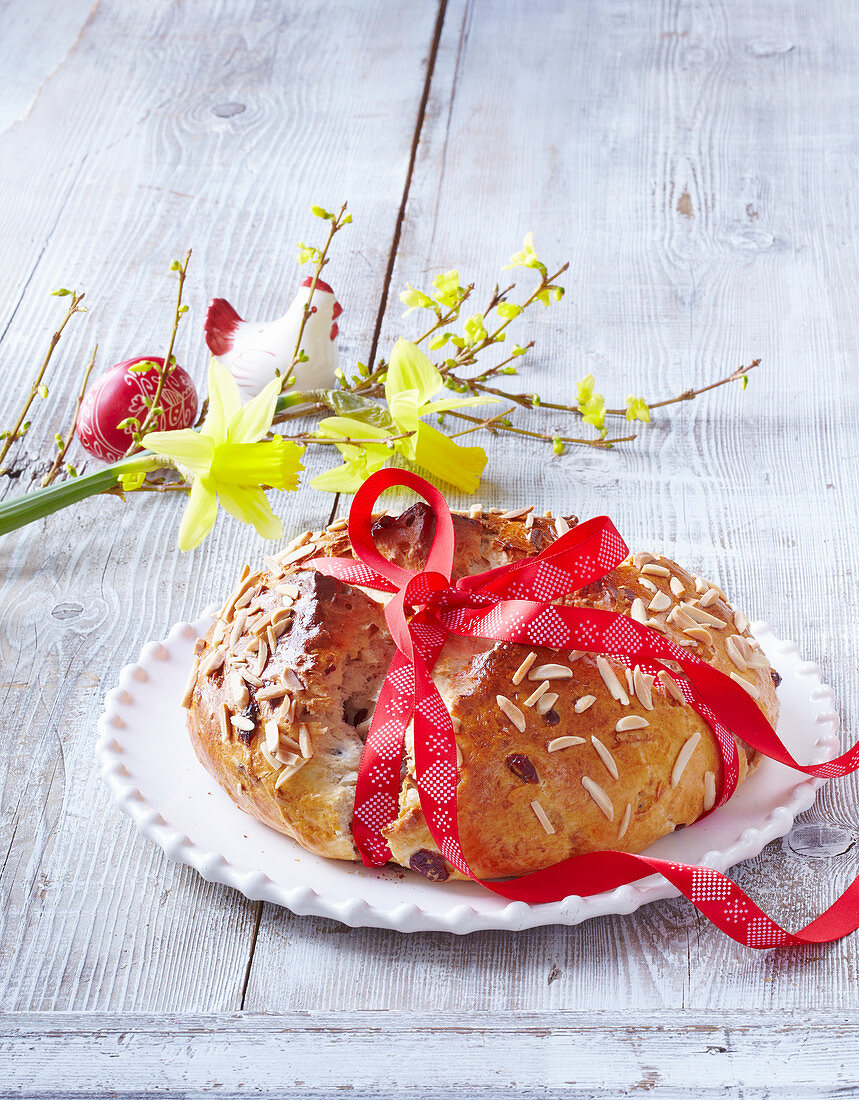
x=120 y=393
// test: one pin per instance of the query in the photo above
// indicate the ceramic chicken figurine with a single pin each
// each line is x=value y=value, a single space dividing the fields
x=254 y=351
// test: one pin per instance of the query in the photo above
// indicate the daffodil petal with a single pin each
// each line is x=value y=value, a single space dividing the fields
x=455 y=403
x=347 y=478
x=359 y=464
x=440 y=455
x=253 y=420
x=409 y=369
x=404 y=411
x=224 y=401
x=345 y=427
x=199 y=517
x=186 y=447
x=249 y=504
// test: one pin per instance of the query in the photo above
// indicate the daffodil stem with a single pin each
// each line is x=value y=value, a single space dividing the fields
x=25 y=509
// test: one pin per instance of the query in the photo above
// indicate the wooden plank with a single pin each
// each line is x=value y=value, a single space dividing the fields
x=137 y=157
x=373 y=1054
x=681 y=156
x=35 y=41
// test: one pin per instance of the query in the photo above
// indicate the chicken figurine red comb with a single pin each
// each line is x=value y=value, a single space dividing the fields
x=253 y=351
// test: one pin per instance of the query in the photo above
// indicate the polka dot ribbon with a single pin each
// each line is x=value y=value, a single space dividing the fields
x=514 y=604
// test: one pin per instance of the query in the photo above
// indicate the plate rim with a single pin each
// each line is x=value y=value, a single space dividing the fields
x=408 y=916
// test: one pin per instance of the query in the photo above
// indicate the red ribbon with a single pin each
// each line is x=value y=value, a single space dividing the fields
x=513 y=604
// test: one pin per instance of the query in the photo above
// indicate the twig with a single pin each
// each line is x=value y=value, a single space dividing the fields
x=348 y=440
x=443 y=319
x=154 y=410
x=688 y=395
x=16 y=432
x=66 y=443
x=600 y=443
x=336 y=225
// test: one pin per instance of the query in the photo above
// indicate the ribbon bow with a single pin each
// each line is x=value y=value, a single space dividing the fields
x=514 y=603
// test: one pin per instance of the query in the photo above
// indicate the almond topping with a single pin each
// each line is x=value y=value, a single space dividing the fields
x=631 y=722
x=677 y=587
x=660 y=602
x=262 y=657
x=273 y=691
x=655 y=571
x=224 y=716
x=649 y=585
x=683 y=758
x=298 y=554
x=535 y=695
x=606 y=757
x=638 y=611
x=583 y=703
x=709 y=790
x=564 y=743
x=702 y=616
x=238 y=691
x=540 y=814
x=599 y=796
x=238 y=626
x=213 y=662
x=521 y=671
x=241 y=723
x=734 y=649
x=288 y=773
x=642 y=558
x=517 y=513
x=741 y=622
x=709 y=597
x=750 y=688
x=272 y=735
x=700 y=634
x=512 y=711
x=671 y=686
x=624 y=822
x=550 y=672
x=679 y=617
x=304 y=743
x=611 y=681
x=546 y=702
x=189 y=687
x=643 y=684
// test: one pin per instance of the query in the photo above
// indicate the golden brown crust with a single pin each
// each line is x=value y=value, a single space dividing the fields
x=525 y=801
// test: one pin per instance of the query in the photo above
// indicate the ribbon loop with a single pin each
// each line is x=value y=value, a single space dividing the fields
x=515 y=603
x=440 y=558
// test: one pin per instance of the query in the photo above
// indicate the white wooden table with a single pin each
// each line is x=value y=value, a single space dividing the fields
x=697 y=164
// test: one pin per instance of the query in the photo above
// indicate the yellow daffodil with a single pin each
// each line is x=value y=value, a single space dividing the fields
x=362 y=459
x=230 y=460
x=411 y=382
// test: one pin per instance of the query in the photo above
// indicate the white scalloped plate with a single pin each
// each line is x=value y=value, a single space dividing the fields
x=150 y=767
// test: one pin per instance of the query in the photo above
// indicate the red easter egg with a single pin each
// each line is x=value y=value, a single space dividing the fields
x=119 y=393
